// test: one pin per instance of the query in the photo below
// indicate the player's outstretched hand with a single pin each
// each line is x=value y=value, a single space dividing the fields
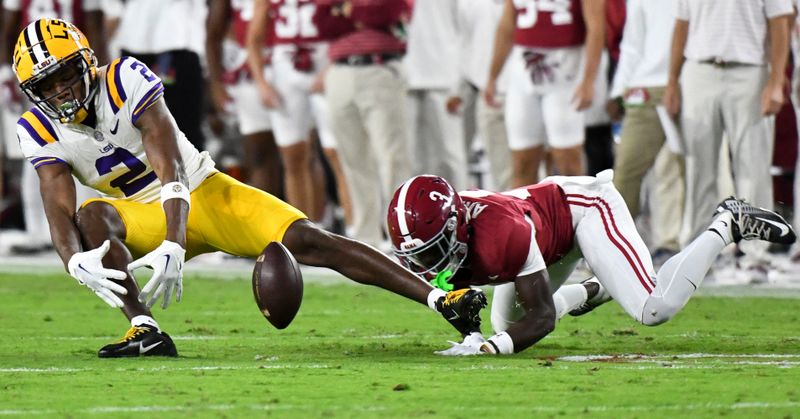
x=167 y=264
x=470 y=346
x=87 y=268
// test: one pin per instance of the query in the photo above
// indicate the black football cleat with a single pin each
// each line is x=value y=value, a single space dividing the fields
x=462 y=308
x=754 y=223
x=596 y=295
x=141 y=340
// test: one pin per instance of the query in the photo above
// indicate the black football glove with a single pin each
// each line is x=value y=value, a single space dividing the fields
x=462 y=309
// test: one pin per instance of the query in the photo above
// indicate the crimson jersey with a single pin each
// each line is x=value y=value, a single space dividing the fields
x=292 y=21
x=500 y=232
x=69 y=10
x=241 y=15
x=549 y=23
x=236 y=57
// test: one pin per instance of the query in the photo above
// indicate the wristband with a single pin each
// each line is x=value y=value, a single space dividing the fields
x=501 y=343
x=173 y=190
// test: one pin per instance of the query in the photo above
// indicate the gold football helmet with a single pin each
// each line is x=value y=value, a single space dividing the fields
x=56 y=68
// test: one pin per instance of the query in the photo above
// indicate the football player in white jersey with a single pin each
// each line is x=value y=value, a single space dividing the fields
x=162 y=200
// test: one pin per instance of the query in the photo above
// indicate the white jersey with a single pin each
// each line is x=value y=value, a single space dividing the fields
x=110 y=158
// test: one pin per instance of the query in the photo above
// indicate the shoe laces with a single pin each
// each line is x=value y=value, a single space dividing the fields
x=133 y=332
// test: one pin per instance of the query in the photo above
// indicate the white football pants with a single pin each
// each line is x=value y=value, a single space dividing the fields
x=607 y=237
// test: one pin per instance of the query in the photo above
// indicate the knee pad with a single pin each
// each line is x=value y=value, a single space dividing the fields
x=657 y=310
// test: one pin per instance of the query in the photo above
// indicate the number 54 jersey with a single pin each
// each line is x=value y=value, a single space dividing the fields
x=110 y=157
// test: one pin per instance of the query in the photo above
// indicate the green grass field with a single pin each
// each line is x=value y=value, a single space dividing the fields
x=356 y=351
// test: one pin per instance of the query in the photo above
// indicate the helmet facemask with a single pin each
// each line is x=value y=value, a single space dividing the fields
x=442 y=253
x=66 y=87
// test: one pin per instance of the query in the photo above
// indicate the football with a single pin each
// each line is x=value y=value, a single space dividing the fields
x=277 y=285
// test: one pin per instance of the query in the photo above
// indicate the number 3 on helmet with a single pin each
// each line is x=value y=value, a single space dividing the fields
x=428 y=226
x=56 y=68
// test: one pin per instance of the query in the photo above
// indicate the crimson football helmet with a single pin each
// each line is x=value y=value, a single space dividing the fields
x=428 y=226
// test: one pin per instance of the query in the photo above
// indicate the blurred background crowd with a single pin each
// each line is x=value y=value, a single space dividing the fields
x=331 y=104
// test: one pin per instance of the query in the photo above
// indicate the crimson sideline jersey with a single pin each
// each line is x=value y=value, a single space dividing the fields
x=502 y=225
x=292 y=21
x=241 y=15
x=69 y=10
x=110 y=158
x=549 y=23
x=368 y=30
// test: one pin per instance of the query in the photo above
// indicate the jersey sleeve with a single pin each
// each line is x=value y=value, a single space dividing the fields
x=38 y=140
x=132 y=87
x=535 y=261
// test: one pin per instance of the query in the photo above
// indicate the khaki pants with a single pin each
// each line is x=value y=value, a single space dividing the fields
x=716 y=101
x=366 y=106
x=492 y=131
x=641 y=148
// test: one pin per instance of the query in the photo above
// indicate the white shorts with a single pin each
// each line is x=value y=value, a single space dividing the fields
x=538 y=108
x=300 y=111
x=251 y=114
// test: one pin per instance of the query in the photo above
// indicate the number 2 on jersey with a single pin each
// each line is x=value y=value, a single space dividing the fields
x=129 y=182
x=528 y=12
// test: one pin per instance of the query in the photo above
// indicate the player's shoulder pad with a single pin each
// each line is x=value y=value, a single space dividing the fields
x=130 y=82
x=36 y=126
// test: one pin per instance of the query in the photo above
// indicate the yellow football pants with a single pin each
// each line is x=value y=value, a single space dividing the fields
x=225 y=215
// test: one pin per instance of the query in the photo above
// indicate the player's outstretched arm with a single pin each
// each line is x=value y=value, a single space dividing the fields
x=58 y=195
x=160 y=139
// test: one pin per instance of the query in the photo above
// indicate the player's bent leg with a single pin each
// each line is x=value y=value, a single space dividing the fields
x=99 y=221
x=682 y=274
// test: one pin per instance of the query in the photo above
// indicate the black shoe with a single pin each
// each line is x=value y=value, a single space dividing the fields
x=141 y=340
x=754 y=223
x=596 y=295
x=462 y=308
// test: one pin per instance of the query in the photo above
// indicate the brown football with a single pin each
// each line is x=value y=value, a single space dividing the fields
x=277 y=285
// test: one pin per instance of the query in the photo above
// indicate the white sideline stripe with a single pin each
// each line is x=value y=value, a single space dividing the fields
x=374 y=408
x=666 y=361
x=166 y=368
x=668 y=357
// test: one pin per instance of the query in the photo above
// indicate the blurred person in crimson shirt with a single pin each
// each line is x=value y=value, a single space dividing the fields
x=365 y=91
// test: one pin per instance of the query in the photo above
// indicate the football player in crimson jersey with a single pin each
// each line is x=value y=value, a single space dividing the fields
x=528 y=240
x=555 y=48
x=162 y=200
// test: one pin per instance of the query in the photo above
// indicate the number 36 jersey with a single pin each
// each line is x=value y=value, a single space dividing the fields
x=110 y=157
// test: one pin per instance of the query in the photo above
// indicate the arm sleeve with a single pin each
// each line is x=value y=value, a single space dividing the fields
x=775 y=8
x=35 y=151
x=132 y=87
x=535 y=261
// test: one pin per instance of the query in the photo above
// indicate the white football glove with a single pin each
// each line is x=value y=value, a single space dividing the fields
x=87 y=268
x=167 y=264
x=470 y=346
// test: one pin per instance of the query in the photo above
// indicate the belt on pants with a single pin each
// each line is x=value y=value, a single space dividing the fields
x=368 y=59
x=720 y=63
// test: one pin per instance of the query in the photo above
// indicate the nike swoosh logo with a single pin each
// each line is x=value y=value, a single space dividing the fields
x=114 y=130
x=145 y=349
x=783 y=227
x=166 y=264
